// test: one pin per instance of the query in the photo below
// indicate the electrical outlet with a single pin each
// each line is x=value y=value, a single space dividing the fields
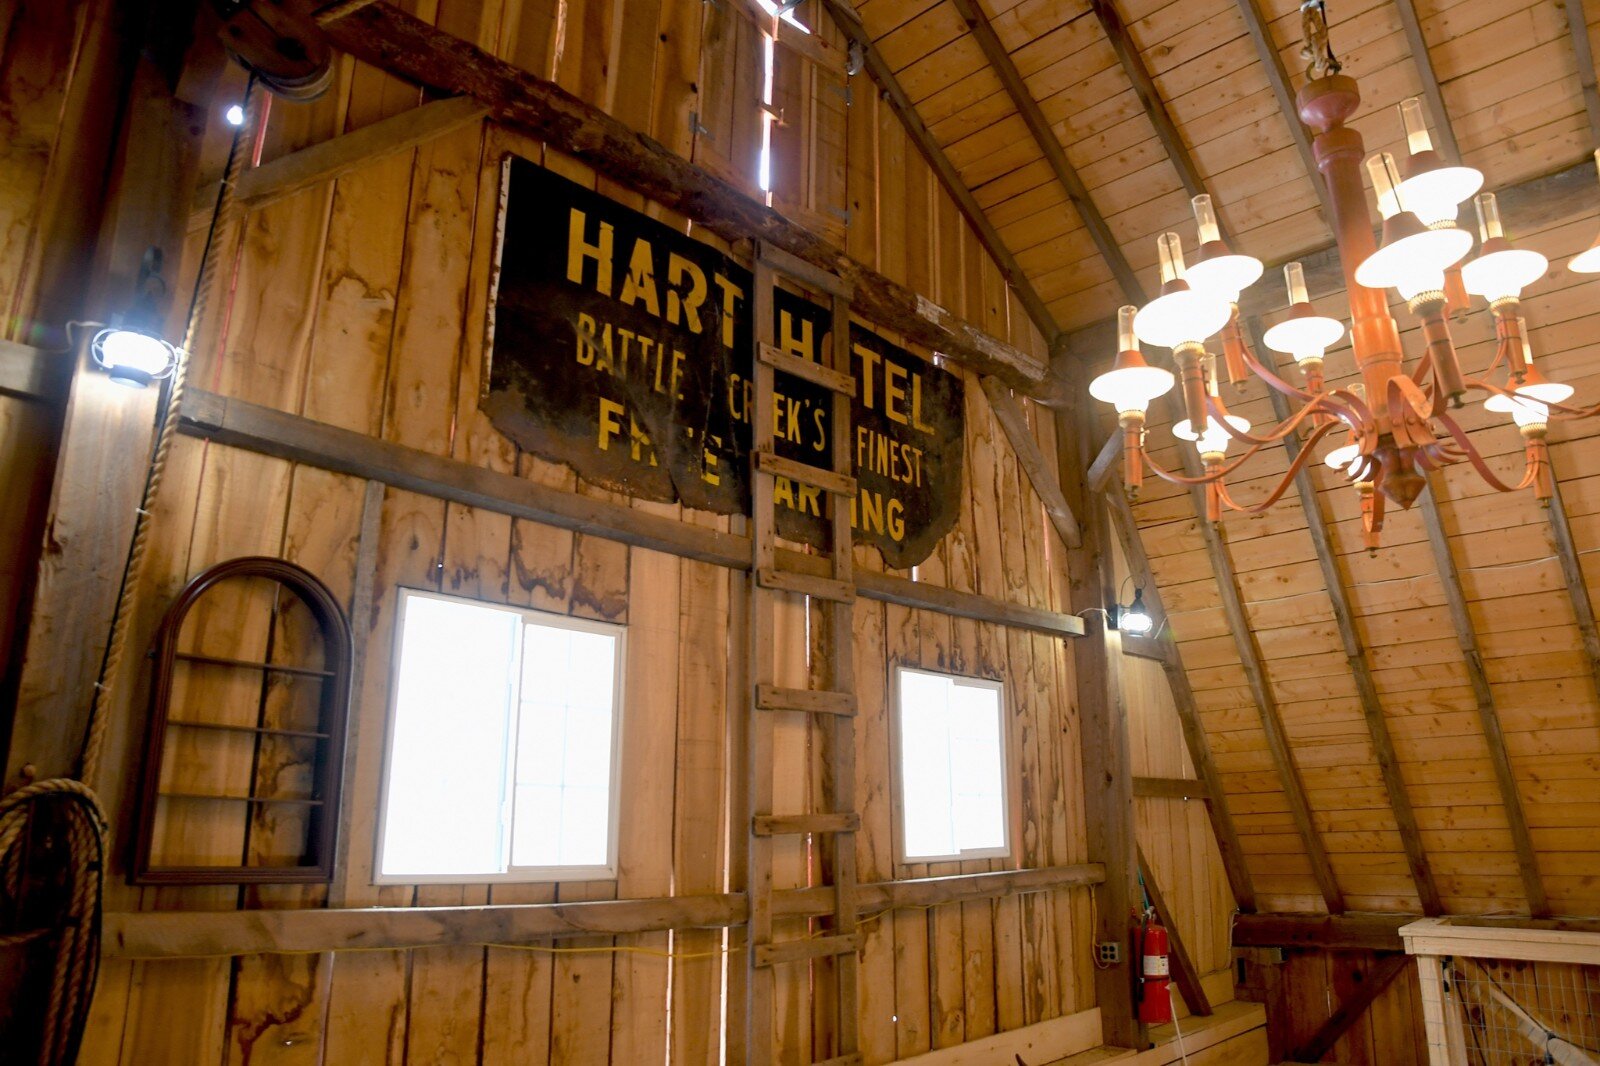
x=1108 y=952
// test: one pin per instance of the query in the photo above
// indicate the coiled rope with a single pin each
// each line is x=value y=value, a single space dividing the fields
x=66 y=811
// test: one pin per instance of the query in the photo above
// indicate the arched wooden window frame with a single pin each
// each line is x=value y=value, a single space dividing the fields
x=332 y=717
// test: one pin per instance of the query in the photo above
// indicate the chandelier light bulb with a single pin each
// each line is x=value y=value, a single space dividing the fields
x=1131 y=383
x=1588 y=262
x=1345 y=459
x=132 y=357
x=1410 y=254
x=1181 y=314
x=1217 y=269
x=1525 y=409
x=1432 y=189
x=1501 y=272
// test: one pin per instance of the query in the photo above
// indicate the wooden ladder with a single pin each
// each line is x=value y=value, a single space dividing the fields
x=836 y=705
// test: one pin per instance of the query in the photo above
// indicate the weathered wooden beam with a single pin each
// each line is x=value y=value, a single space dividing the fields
x=1423 y=59
x=1527 y=207
x=1572 y=573
x=1155 y=649
x=1054 y=155
x=1185 y=975
x=1371 y=932
x=1105 y=462
x=1194 y=733
x=407 y=47
x=1578 y=24
x=895 y=96
x=1103 y=714
x=1356 y=658
x=1378 y=978
x=34 y=373
x=302 y=440
x=1255 y=672
x=1488 y=717
x=1170 y=788
x=172 y=934
x=1014 y=424
x=1283 y=93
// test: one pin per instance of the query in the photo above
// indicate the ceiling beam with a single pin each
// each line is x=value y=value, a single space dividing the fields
x=409 y=48
x=1488 y=717
x=1255 y=672
x=894 y=95
x=1430 y=81
x=1194 y=733
x=1578 y=21
x=1055 y=156
x=1355 y=654
x=1572 y=573
x=1278 y=77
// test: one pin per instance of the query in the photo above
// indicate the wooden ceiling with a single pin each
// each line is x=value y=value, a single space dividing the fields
x=1414 y=730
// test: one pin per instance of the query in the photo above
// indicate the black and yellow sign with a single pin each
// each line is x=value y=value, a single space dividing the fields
x=623 y=348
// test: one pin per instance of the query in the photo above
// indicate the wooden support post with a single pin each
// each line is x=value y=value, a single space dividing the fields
x=1186 y=977
x=1194 y=734
x=895 y=96
x=1014 y=424
x=1055 y=156
x=1356 y=656
x=1377 y=979
x=1107 y=766
x=409 y=48
x=1572 y=573
x=1488 y=717
x=1272 y=63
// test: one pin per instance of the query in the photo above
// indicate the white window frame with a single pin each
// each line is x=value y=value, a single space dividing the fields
x=897 y=714
x=513 y=874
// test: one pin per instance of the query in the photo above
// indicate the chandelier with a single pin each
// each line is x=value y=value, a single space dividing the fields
x=1396 y=422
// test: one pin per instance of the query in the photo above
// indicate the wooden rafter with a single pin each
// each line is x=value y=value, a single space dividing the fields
x=1055 y=156
x=1578 y=22
x=1194 y=734
x=895 y=96
x=1378 y=978
x=1014 y=424
x=1278 y=78
x=1356 y=657
x=407 y=47
x=1572 y=574
x=1185 y=975
x=1488 y=717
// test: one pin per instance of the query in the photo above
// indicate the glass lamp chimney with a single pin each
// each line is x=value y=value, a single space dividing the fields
x=1205 y=215
x=1417 y=139
x=1170 y=246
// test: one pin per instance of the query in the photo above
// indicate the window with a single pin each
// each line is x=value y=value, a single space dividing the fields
x=503 y=745
x=952 y=768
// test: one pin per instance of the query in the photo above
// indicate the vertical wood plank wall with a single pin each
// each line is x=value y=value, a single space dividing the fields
x=360 y=302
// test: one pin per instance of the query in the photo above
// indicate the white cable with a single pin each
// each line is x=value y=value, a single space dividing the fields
x=1176 y=1031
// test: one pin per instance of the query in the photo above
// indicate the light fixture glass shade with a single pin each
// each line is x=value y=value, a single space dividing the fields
x=1423 y=252
x=1131 y=383
x=1181 y=316
x=1587 y=261
x=1503 y=274
x=1134 y=618
x=1225 y=276
x=1414 y=284
x=1305 y=337
x=1214 y=440
x=1436 y=195
x=1525 y=408
x=1344 y=459
x=133 y=358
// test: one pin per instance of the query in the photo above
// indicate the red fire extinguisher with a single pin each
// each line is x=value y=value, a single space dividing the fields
x=1155 y=1003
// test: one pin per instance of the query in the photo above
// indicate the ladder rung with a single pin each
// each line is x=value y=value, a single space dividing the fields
x=769 y=825
x=822 y=588
x=825 y=479
x=818 y=947
x=793 y=266
x=809 y=700
x=815 y=373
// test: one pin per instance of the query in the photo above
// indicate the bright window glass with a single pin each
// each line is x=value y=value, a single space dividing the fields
x=503 y=745
x=952 y=767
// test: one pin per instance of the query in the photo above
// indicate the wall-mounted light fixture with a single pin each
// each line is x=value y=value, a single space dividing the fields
x=1133 y=619
x=131 y=350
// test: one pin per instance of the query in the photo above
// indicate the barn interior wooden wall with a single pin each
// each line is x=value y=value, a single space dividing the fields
x=359 y=300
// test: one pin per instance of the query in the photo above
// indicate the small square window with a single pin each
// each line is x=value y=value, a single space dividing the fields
x=952 y=768
x=503 y=745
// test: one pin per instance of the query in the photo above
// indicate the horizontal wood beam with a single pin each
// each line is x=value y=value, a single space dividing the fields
x=1014 y=424
x=1171 y=788
x=34 y=373
x=1377 y=978
x=1576 y=941
x=1356 y=932
x=185 y=934
x=895 y=96
x=302 y=440
x=407 y=47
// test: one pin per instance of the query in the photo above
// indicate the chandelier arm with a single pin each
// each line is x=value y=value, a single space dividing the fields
x=1316 y=403
x=1558 y=411
x=1482 y=467
x=1272 y=379
x=1284 y=483
x=1208 y=478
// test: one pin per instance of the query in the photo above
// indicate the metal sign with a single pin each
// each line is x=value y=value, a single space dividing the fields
x=623 y=348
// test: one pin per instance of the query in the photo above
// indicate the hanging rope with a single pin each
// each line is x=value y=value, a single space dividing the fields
x=61 y=819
